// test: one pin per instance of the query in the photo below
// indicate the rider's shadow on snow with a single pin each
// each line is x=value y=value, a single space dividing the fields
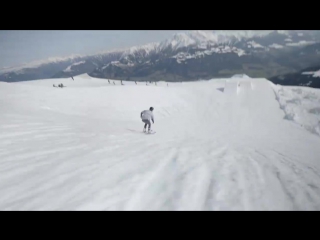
x=133 y=130
x=221 y=89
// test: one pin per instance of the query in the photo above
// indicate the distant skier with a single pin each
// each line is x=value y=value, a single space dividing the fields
x=135 y=82
x=114 y=83
x=147 y=116
x=108 y=81
x=72 y=78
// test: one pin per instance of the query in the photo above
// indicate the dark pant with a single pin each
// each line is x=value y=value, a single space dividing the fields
x=147 y=122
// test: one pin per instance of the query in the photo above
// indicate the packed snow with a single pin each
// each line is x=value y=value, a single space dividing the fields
x=223 y=144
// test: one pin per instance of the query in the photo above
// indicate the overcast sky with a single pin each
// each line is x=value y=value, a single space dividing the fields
x=18 y=47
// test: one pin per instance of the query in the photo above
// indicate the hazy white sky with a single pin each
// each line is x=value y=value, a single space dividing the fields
x=18 y=47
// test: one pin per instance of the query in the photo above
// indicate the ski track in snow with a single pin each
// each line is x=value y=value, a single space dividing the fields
x=220 y=145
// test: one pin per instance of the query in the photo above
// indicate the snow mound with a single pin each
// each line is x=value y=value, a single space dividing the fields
x=230 y=87
x=301 y=105
x=240 y=76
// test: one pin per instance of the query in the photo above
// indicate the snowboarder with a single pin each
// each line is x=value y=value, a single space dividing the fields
x=147 y=116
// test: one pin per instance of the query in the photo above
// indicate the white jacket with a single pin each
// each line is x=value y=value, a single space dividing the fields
x=147 y=115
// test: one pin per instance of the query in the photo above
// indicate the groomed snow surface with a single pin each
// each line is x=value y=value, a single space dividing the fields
x=219 y=145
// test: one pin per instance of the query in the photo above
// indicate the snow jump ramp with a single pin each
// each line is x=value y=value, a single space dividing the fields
x=237 y=86
x=244 y=86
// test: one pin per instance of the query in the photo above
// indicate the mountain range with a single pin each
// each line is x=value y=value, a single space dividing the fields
x=189 y=56
x=309 y=77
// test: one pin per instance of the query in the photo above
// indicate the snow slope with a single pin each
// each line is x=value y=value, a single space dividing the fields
x=220 y=145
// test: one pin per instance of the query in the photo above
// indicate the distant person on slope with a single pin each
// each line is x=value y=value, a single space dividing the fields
x=147 y=116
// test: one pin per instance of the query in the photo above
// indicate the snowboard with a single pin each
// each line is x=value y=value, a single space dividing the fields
x=153 y=132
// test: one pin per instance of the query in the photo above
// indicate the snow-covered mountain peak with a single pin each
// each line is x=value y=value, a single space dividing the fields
x=142 y=50
x=193 y=38
x=178 y=40
x=201 y=37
